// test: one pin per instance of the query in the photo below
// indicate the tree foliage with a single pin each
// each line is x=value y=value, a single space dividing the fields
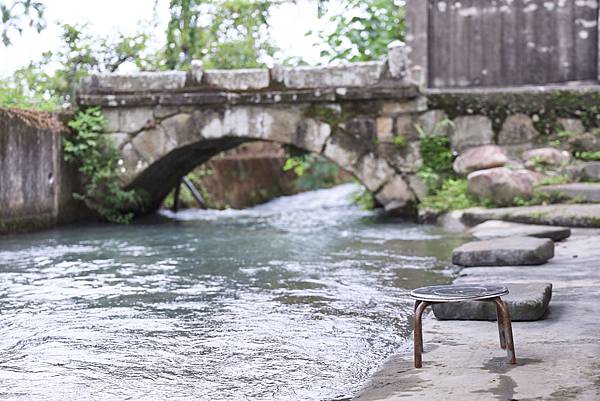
x=220 y=33
x=18 y=15
x=52 y=78
x=362 y=31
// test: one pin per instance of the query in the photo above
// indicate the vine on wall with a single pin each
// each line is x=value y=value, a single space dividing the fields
x=99 y=162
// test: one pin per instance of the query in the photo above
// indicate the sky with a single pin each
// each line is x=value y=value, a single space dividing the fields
x=289 y=23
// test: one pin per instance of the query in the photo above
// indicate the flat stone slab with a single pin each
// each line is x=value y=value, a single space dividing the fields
x=581 y=191
x=526 y=302
x=566 y=215
x=499 y=229
x=514 y=251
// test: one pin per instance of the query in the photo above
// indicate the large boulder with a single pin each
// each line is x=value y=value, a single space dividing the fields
x=502 y=185
x=512 y=251
x=480 y=158
x=525 y=302
x=546 y=157
x=471 y=131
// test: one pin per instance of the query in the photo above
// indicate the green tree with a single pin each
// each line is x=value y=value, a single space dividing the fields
x=362 y=31
x=17 y=15
x=54 y=76
x=220 y=33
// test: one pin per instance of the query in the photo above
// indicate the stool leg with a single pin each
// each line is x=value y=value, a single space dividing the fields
x=500 y=326
x=417 y=303
x=510 y=346
x=418 y=328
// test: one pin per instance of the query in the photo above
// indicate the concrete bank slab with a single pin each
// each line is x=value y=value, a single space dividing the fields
x=584 y=191
x=566 y=215
x=558 y=357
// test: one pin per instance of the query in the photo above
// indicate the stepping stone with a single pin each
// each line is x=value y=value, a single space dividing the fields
x=514 y=251
x=499 y=229
x=580 y=191
x=526 y=302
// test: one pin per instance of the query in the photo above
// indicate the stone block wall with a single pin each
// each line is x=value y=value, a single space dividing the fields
x=36 y=186
x=361 y=116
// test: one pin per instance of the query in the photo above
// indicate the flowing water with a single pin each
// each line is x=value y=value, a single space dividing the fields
x=298 y=299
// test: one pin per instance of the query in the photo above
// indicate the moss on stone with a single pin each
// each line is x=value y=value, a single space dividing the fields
x=27 y=224
x=544 y=107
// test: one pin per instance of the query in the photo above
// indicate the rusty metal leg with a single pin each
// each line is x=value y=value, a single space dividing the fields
x=419 y=309
x=417 y=303
x=510 y=346
x=499 y=317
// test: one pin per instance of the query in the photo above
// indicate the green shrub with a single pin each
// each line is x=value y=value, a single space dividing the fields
x=399 y=141
x=437 y=157
x=588 y=156
x=364 y=198
x=98 y=162
x=313 y=171
x=453 y=195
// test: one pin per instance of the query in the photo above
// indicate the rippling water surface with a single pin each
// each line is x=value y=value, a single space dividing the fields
x=298 y=299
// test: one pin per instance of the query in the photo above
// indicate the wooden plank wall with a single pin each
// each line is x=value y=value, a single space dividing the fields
x=474 y=43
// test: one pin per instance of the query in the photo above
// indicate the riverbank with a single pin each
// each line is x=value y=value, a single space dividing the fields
x=558 y=357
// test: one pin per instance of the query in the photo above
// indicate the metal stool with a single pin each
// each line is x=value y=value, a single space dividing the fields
x=427 y=296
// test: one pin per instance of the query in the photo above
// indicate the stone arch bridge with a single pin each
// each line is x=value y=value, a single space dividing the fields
x=360 y=116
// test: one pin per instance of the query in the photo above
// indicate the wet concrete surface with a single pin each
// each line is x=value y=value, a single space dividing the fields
x=558 y=358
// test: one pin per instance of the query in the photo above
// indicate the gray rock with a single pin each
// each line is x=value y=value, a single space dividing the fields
x=498 y=229
x=132 y=164
x=237 y=80
x=341 y=154
x=546 y=157
x=514 y=251
x=112 y=117
x=579 y=191
x=152 y=144
x=432 y=123
x=135 y=82
x=373 y=172
x=395 y=196
x=118 y=139
x=405 y=127
x=385 y=127
x=135 y=119
x=502 y=185
x=404 y=107
x=526 y=302
x=312 y=135
x=350 y=75
x=573 y=125
x=517 y=129
x=480 y=158
x=590 y=171
x=418 y=186
x=471 y=131
x=588 y=142
x=398 y=60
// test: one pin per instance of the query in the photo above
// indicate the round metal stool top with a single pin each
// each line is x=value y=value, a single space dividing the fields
x=457 y=293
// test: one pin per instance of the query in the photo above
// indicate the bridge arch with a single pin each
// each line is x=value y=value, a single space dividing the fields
x=166 y=124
